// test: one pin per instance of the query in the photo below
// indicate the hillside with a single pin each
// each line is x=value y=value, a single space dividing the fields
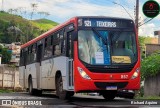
x=44 y=24
x=16 y=28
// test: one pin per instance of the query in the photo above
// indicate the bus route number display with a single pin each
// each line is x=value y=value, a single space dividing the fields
x=108 y=23
x=88 y=23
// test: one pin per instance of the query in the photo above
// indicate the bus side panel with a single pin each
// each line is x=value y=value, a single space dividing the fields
x=61 y=64
x=38 y=75
x=22 y=76
x=31 y=70
x=46 y=66
x=48 y=74
x=49 y=69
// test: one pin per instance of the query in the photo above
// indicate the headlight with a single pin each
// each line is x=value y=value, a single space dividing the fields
x=136 y=73
x=83 y=73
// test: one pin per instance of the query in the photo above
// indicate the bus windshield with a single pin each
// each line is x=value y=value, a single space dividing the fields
x=104 y=47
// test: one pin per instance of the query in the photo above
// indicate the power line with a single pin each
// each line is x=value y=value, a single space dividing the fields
x=128 y=6
x=124 y=9
x=145 y=22
x=142 y=21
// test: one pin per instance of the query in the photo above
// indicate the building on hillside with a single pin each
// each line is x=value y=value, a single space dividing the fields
x=152 y=48
x=154 y=45
x=14 y=49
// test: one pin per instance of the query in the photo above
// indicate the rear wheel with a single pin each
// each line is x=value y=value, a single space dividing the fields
x=62 y=94
x=109 y=95
x=38 y=92
x=31 y=90
x=30 y=86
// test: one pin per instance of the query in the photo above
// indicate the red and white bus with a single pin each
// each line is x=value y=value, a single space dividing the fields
x=84 y=54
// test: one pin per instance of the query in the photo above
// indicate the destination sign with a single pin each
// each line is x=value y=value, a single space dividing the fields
x=105 y=24
x=109 y=23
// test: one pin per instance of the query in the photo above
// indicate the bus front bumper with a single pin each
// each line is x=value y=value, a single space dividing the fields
x=97 y=85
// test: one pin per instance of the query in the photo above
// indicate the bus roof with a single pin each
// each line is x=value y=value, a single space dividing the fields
x=108 y=17
x=62 y=25
x=47 y=33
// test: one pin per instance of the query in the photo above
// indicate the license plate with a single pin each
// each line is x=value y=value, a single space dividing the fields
x=111 y=88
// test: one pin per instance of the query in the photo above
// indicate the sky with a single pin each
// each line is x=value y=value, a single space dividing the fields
x=62 y=10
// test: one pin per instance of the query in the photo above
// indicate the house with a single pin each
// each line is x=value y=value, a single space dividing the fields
x=14 y=49
x=154 y=44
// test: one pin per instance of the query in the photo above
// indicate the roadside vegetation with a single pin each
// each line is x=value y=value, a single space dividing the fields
x=148 y=97
x=150 y=66
x=5 y=91
x=6 y=55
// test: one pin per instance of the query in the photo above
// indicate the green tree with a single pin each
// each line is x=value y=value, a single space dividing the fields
x=34 y=7
x=150 y=66
x=6 y=56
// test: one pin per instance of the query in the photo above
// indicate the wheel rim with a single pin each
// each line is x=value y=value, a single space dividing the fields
x=60 y=85
x=30 y=86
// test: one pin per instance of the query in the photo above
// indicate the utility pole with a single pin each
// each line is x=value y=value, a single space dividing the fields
x=137 y=14
x=2 y=6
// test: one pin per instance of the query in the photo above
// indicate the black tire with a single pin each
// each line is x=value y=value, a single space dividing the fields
x=30 y=87
x=31 y=90
x=130 y=97
x=62 y=94
x=109 y=95
x=38 y=92
x=70 y=93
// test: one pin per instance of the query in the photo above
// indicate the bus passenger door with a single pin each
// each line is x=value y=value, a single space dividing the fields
x=22 y=69
x=39 y=59
x=69 y=54
x=25 y=71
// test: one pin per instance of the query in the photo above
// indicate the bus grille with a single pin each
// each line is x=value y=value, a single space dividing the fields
x=109 y=70
x=103 y=85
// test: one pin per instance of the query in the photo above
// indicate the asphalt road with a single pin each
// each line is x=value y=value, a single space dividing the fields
x=51 y=100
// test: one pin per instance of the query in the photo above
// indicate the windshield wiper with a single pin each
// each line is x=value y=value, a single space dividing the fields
x=99 y=36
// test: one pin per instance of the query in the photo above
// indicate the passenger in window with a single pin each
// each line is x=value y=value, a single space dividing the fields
x=57 y=50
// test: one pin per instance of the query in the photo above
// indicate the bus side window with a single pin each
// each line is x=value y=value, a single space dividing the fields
x=28 y=55
x=48 y=47
x=33 y=53
x=25 y=56
x=69 y=46
x=58 y=43
x=62 y=42
x=57 y=50
x=54 y=41
x=45 y=48
x=21 y=58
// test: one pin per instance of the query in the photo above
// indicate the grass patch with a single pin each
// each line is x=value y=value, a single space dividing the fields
x=148 y=97
x=5 y=91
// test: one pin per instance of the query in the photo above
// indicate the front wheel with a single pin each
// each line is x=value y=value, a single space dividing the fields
x=62 y=94
x=109 y=95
